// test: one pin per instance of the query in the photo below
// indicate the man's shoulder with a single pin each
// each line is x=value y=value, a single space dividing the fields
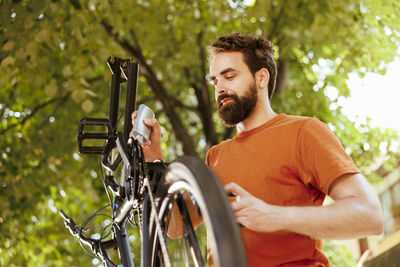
x=214 y=150
x=220 y=145
x=292 y=122
x=294 y=119
x=303 y=124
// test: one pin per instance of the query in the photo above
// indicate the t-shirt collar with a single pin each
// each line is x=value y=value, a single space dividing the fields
x=261 y=127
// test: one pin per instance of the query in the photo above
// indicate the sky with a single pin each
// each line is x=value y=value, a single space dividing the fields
x=376 y=96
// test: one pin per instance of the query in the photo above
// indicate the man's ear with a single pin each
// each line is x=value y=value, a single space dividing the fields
x=262 y=78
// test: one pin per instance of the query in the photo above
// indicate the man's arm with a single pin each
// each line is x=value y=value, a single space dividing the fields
x=355 y=213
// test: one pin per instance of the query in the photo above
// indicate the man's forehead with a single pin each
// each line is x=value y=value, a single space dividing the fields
x=224 y=60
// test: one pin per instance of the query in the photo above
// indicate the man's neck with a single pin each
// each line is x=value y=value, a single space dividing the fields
x=260 y=115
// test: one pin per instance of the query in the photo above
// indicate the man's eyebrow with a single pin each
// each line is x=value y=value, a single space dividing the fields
x=211 y=78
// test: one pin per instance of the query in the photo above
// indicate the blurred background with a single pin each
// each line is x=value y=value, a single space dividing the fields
x=337 y=61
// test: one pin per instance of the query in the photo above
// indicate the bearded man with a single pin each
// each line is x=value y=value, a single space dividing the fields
x=280 y=167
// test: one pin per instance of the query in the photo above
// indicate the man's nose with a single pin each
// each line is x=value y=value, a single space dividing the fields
x=220 y=89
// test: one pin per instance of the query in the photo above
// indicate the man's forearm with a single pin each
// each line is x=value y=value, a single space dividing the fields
x=355 y=213
x=345 y=219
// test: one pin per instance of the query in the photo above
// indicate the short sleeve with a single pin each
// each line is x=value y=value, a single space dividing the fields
x=210 y=156
x=321 y=158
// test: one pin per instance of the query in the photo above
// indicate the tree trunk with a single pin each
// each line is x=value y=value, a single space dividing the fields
x=282 y=75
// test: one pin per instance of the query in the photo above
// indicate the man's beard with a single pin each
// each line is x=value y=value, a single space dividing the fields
x=239 y=109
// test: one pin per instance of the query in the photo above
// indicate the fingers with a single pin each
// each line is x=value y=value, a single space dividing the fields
x=236 y=190
x=243 y=198
x=240 y=194
x=155 y=126
x=238 y=205
x=134 y=115
x=150 y=122
x=152 y=147
x=153 y=123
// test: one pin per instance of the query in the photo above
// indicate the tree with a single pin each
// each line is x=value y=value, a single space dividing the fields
x=53 y=72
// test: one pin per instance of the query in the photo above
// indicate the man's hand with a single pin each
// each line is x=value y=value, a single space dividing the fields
x=151 y=149
x=253 y=213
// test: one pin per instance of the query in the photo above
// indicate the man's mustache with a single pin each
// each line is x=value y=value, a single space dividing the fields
x=223 y=96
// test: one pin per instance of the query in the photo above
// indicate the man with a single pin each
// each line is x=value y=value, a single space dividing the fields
x=280 y=167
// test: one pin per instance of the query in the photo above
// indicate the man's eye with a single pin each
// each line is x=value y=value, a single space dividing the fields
x=230 y=77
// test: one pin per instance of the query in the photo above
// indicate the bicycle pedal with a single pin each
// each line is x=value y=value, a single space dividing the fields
x=94 y=134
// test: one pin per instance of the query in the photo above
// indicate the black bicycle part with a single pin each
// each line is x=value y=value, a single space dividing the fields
x=82 y=135
x=98 y=247
x=114 y=63
x=146 y=248
x=123 y=245
x=131 y=71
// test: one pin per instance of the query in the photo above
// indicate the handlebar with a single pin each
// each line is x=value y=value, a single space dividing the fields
x=97 y=246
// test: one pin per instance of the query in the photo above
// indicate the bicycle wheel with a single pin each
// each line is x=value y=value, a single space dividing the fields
x=197 y=224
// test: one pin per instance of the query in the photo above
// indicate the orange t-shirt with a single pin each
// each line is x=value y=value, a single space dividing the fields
x=287 y=161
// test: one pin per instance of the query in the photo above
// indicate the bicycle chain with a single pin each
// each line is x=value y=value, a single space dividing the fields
x=146 y=184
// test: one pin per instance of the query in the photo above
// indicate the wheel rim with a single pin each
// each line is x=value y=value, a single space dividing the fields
x=190 y=178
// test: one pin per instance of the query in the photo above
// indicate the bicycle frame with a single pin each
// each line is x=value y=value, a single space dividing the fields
x=127 y=193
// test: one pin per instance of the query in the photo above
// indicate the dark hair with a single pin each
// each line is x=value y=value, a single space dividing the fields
x=257 y=51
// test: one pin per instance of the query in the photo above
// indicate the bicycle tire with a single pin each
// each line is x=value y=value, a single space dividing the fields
x=189 y=178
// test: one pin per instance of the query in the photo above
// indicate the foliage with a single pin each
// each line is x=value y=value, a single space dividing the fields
x=338 y=255
x=395 y=210
x=53 y=72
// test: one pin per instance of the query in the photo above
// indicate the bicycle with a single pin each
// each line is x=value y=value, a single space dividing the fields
x=166 y=201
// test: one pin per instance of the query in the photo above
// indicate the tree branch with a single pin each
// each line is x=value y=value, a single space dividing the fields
x=10 y=99
x=205 y=107
x=158 y=88
x=275 y=21
x=135 y=40
x=123 y=43
x=178 y=103
x=35 y=110
x=208 y=109
x=94 y=79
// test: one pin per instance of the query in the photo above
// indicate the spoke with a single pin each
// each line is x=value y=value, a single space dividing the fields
x=159 y=231
x=185 y=241
x=188 y=229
